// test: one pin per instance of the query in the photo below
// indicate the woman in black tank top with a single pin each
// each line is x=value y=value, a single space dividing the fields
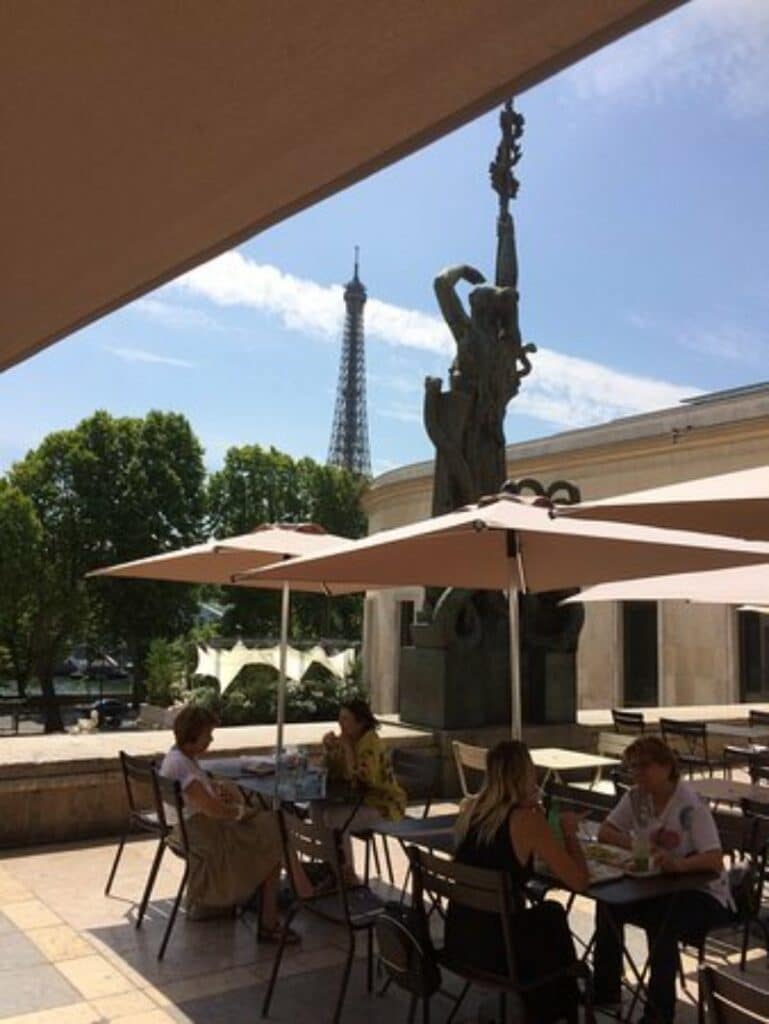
x=503 y=828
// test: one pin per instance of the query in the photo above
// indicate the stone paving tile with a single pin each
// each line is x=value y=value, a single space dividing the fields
x=17 y=951
x=30 y=914
x=123 y=1005
x=11 y=890
x=93 y=976
x=34 y=988
x=59 y=942
x=77 y=1013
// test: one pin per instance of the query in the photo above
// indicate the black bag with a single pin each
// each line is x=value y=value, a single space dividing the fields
x=405 y=950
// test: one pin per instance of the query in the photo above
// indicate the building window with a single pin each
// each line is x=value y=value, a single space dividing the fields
x=639 y=647
x=406 y=623
x=754 y=656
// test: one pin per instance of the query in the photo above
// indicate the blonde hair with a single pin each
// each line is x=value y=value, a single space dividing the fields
x=508 y=768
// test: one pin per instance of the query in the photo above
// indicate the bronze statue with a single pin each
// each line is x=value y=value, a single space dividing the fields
x=466 y=423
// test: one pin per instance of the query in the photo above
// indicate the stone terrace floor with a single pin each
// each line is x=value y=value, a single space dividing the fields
x=70 y=955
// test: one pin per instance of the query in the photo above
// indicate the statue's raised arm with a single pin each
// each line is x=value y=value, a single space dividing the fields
x=449 y=302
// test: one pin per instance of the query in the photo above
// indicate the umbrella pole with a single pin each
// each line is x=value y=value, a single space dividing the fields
x=284 y=605
x=515 y=657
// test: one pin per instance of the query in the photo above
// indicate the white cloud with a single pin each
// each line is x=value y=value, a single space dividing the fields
x=174 y=315
x=563 y=390
x=725 y=341
x=401 y=414
x=714 y=46
x=139 y=355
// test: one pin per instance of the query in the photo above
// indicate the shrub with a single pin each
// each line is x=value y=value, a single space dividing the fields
x=208 y=698
x=165 y=671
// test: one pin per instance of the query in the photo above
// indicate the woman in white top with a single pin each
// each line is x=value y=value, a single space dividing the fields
x=238 y=848
x=683 y=839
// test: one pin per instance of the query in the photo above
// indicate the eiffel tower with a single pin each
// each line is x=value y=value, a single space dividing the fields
x=349 y=446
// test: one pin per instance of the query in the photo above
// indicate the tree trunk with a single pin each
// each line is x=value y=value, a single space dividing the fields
x=51 y=711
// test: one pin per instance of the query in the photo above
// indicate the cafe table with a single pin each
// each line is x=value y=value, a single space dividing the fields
x=726 y=791
x=557 y=762
x=743 y=733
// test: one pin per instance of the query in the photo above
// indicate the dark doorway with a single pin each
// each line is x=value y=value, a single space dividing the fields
x=754 y=656
x=639 y=654
x=406 y=623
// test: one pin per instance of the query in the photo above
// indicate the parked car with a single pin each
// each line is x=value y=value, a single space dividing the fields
x=110 y=711
x=73 y=667
x=105 y=667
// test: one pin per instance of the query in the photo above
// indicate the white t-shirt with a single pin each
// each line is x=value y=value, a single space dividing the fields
x=684 y=827
x=185 y=770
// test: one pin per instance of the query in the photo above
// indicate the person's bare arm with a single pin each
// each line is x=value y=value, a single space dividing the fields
x=202 y=800
x=565 y=860
x=614 y=836
x=708 y=860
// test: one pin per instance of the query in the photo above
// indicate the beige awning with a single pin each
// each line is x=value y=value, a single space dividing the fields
x=140 y=138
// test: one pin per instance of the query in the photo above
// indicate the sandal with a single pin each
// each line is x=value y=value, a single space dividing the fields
x=274 y=935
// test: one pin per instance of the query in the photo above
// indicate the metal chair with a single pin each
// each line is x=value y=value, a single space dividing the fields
x=628 y=721
x=690 y=742
x=468 y=757
x=143 y=816
x=354 y=909
x=731 y=1000
x=168 y=795
x=595 y=804
x=756 y=717
x=490 y=892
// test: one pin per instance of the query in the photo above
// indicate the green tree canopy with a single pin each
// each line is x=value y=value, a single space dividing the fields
x=259 y=485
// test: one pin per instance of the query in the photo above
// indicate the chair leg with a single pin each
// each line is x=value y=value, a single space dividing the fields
x=412 y=1009
x=115 y=862
x=150 y=882
x=369 y=959
x=345 y=980
x=375 y=849
x=276 y=962
x=458 y=1002
x=744 y=950
x=174 y=911
x=388 y=861
x=426 y=1010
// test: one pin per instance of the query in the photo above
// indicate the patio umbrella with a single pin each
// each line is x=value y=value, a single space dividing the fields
x=735 y=504
x=219 y=560
x=746 y=585
x=514 y=544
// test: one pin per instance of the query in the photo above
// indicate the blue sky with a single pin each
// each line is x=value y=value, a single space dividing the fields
x=643 y=240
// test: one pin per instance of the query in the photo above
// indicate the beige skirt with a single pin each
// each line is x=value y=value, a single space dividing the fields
x=231 y=858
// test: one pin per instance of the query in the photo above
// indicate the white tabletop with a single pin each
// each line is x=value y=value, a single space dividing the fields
x=558 y=759
x=728 y=791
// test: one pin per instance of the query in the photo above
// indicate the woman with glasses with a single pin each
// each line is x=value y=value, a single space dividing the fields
x=679 y=834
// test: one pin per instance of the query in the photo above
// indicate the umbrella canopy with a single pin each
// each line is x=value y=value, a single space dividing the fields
x=746 y=585
x=509 y=543
x=142 y=138
x=736 y=504
x=219 y=560
x=512 y=541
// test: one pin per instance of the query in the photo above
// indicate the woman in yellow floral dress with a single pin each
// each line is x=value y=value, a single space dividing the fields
x=356 y=755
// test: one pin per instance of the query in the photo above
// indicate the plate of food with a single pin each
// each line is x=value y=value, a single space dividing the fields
x=605 y=854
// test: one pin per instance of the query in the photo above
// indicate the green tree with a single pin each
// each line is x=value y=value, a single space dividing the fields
x=257 y=486
x=20 y=580
x=108 y=491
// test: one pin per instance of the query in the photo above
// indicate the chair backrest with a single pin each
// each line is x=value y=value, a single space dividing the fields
x=758 y=763
x=316 y=845
x=613 y=744
x=469 y=757
x=628 y=721
x=573 y=798
x=137 y=778
x=168 y=796
x=437 y=879
x=693 y=736
x=756 y=717
x=417 y=771
x=732 y=1000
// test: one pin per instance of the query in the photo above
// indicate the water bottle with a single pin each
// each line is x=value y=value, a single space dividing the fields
x=554 y=819
x=640 y=849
